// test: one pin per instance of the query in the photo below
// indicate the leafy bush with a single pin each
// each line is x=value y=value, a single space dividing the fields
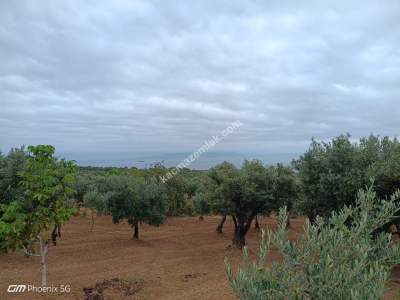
x=340 y=257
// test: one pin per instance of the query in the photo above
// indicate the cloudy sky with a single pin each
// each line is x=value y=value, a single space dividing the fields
x=167 y=75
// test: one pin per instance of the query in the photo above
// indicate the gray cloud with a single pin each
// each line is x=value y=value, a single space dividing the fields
x=166 y=75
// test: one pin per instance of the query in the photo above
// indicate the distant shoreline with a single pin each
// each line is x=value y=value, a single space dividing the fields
x=146 y=160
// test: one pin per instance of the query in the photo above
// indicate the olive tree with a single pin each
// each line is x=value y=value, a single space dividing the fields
x=332 y=172
x=329 y=176
x=37 y=216
x=137 y=200
x=243 y=194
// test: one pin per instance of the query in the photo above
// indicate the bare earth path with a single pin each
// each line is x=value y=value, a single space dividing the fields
x=183 y=259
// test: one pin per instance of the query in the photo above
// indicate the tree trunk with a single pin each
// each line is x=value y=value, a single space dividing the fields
x=256 y=225
x=44 y=247
x=242 y=226
x=56 y=233
x=239 y=238
x=136 y=230
x=221 y=224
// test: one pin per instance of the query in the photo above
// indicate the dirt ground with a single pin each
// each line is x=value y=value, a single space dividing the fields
x=183 y=259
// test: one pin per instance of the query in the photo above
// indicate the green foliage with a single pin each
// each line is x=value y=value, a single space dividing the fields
x=46 y=184
x=241 y=193
x=201 y=203
x=97 y=201
x=198 y=195
x=83 y=184
x=221 y=177
x=180 y=190
x=332 y=173
x=286 y=186
x=176 y=193
x=10 y=168
x=340 y=257
x=382 y=157
x=137 y=200
x=249 y=191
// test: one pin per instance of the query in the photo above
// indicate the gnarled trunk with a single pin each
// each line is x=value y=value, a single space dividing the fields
x=239 y=238
x=242 y=226
x=221 y=224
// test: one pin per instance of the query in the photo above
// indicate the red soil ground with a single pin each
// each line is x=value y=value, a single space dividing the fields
x=183 y=259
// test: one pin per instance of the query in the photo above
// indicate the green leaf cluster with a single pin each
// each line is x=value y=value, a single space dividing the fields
x=340 y=257
x=46 y=185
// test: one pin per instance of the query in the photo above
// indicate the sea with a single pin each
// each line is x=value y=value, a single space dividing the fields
x=144 y=160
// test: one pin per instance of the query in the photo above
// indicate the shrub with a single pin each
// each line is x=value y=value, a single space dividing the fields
x=340 y=257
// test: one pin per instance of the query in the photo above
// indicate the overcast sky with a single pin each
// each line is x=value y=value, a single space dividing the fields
x=167 y=75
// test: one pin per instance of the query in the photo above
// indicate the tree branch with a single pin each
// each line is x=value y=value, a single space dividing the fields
x=234 y=221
